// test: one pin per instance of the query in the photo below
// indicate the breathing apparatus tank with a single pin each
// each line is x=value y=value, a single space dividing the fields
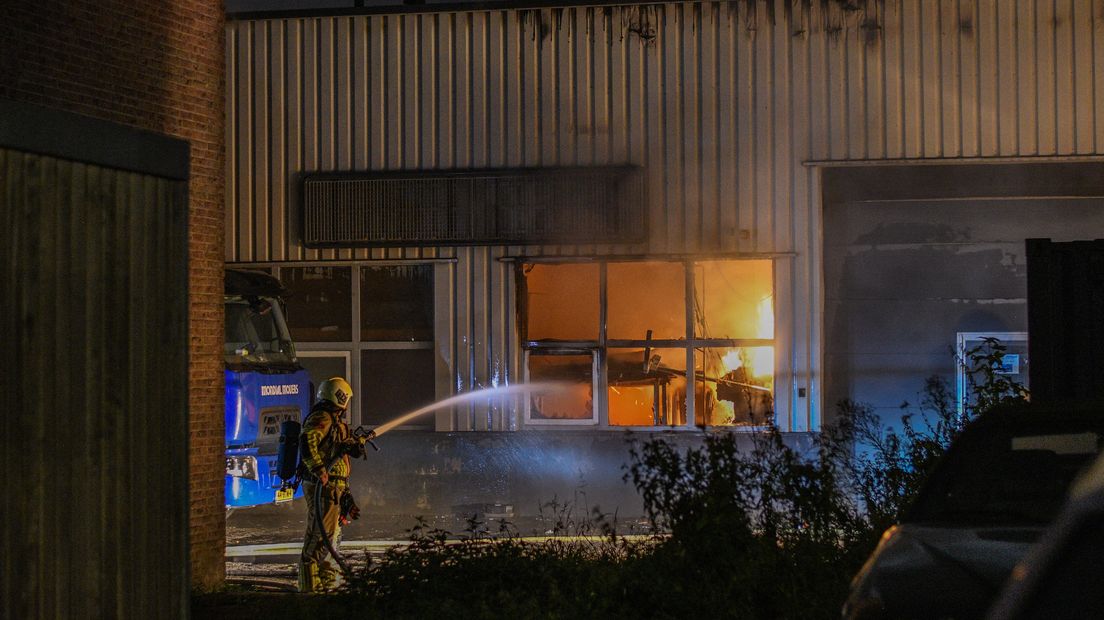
x=287 y=458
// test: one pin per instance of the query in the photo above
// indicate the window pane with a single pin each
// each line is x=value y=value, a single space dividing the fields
x=575 y=401
x=735 y=386
x=394 y=382
x=320 y=307
x=734 y=299
x=640 y=396
x=562 y=301
x=646 y=295
x=396 y=303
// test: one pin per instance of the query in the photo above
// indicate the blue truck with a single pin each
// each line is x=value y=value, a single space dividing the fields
x=265 y=386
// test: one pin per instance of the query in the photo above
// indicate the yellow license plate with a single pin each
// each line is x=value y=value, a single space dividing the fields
x=284 y=495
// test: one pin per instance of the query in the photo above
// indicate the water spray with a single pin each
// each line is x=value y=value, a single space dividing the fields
x=505 y=390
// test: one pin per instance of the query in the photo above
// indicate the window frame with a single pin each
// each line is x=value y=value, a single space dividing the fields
x=962 y=340
x=352 y=349
x=691 y=344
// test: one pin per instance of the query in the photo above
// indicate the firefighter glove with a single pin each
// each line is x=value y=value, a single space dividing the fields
x=349 y=510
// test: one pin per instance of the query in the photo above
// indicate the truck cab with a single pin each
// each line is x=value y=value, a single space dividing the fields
x=265 y=385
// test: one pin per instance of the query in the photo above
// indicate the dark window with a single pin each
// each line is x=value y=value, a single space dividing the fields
x=320 y=307
x=394 y=382
x=396 y=303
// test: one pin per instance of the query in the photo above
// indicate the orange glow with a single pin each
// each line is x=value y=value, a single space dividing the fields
x=633 y=393
x=733 y=299
x=738 y=384
x=562 y=301
x=646 y=295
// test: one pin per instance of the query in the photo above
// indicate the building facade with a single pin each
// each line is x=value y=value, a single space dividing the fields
x=808 y=172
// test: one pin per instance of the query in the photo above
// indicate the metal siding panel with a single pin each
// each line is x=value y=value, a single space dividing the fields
x=950 y=95
x=763 y=158
x=873 y=82
x=444 y=335
x=244 y=164
x=1045 y=96
x=463 y=366
x=651 y=66
x=1007 y=81
x=230 y=251
x=728 y=204
x=1026 y=67
x=686 y=124
x=292 y=100
x=968 y=28
x=781 y=206
x=496 y=92
x=912 y=72
x=262 y=154
x=931 y=84
x=480 y=137
x=708 y=228
x=343 y=93
x=427 y=96
x=745 y=128
x=893 y=80
x=1063 y=62
x=310 y=106
x=989 y=97
x=602 y=50
x=513 y=88
x=277 y=152
x=854 y=58
x=462 y=76
x=480 y=337
x=412 y=96
x=1084 y=62
x=394 y=112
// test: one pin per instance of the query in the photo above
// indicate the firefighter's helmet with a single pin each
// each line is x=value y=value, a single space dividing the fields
x=336 y=391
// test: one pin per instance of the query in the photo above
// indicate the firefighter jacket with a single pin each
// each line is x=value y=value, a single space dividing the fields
x=326 y=438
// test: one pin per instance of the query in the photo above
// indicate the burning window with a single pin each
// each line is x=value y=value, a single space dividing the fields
x=646 y=296
x=562 y=301
x=668 y=354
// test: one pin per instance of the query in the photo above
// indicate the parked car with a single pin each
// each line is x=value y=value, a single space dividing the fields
x=989 y=498
x=1060 y=577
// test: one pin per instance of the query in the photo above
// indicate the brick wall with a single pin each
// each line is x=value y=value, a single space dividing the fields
x=157 y=66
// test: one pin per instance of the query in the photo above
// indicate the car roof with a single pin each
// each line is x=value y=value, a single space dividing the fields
x=253 y=284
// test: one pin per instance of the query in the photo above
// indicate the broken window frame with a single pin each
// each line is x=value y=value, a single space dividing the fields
x=691 y=344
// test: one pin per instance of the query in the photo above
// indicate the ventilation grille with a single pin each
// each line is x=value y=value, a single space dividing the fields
x=484 y=207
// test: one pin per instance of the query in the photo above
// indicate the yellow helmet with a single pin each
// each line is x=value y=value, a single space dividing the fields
x=335 y=390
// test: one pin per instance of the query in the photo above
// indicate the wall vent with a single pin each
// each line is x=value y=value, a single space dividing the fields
x=476 y=207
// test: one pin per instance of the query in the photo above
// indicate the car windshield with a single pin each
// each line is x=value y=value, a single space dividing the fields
x=256 y=334
x=1000 y=476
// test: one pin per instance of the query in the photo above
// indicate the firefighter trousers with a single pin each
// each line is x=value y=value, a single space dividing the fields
x=315 y=573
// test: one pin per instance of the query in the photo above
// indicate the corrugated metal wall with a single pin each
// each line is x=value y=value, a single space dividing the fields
x=720 y=101
x=95 y=429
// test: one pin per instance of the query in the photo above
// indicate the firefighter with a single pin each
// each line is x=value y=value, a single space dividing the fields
x=326 y=440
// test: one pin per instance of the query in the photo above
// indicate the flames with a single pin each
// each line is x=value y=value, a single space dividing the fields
x=758 y=362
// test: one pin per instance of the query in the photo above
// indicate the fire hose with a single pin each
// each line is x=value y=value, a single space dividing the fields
x=364 y=436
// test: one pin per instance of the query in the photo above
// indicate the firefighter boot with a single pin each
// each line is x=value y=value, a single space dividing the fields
x=310 y=579
x=327 y=576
